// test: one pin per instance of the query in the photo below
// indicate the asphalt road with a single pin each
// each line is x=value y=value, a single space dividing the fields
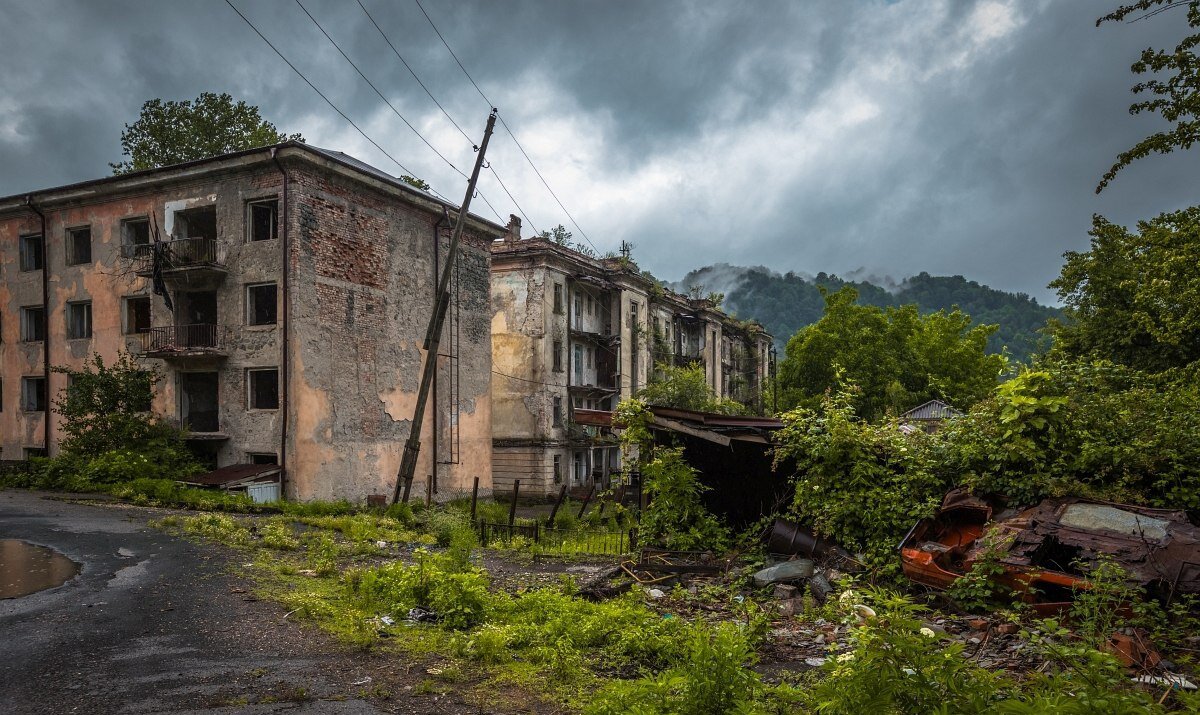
x=155 y=624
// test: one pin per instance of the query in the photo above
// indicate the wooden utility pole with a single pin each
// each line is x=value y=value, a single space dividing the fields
x=433 y=336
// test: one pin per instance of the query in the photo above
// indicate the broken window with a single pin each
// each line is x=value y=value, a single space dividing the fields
x=33 y=323
x=589 y=303
x=33 y=394
x=137 y=314
x=261 y=303
x=558 y=356
x=578 y=364
x=263 y=388
x=262 y=458
x=558 y=412
x=262 y=219
x=135 y=237
x=33 y=254
x=558 y=469
x=199 y=223
x=31 y=452
x=79 y=320
x=79 y=245
x=558 y=298
x=199 y=402
x=578 y=304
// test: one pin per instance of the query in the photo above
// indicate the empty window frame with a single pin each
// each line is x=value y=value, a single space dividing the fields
x=33 y=323
x=261 y=304
x=558 y=412
x=31 y=452
x=79 y=245
x=558 y=356
x=33 y=394
x=33 y=252
x=578 y=304
x=558 y=298
x=197 y=223
x=558 y=469
x=262 y=458
x=79 y=320
x=262 y=217
x=135 y=237
x=262 y=388
x=137 y=314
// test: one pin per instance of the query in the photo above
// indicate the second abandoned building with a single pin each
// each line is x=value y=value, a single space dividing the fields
x=300 y=284
x=573 y=334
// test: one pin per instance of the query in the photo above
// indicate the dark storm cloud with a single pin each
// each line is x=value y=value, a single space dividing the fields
x=952 y=137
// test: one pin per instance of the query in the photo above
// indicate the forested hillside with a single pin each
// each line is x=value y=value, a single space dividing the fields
x=785 y=303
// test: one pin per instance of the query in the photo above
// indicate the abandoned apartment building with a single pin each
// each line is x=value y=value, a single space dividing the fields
x=572 y=335
x=283 y=295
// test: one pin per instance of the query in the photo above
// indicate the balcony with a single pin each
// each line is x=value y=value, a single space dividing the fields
x=199 y=340
x=196 y=260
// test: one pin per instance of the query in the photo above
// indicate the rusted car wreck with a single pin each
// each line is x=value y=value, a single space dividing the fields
x=1045 y=550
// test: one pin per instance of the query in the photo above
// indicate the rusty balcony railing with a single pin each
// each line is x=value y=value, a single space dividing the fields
x=198 y=338
x=177 y=254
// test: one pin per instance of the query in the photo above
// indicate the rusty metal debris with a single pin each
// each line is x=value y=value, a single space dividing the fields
x=1046 y=550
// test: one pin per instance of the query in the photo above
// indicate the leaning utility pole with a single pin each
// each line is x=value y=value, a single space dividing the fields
x=433 y=336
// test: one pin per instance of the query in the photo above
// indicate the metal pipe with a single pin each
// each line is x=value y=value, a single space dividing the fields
x=285 y=352
x=45 y=324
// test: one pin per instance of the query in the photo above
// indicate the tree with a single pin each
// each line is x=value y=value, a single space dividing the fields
x=175 y=132
x=1134 y=298
x=559 y=234
x=1176 y=99
x=897 y=357
x=686 y=388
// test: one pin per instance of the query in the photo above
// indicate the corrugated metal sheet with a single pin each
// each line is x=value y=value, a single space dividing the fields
x=932 y=410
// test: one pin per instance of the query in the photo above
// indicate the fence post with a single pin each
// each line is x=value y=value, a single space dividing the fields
x=512 y=509
x=562 y=494
x=474 y=498
x=587 y=499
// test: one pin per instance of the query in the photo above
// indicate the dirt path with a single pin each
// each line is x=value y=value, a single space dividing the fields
x=155 y=624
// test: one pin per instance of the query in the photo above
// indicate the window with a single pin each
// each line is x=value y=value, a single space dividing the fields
x=32 y=253
x=262 y=458
x=558 y=356
x=79 y=320
x=196 y=223
x=135 y=237
x=261 y=303
x=558 y=412
x=263 y=388
x=33 y=323
x=261 y=219
x=578 y=303
x=591 y=360
x=137 y=314
x=558 y=469
x=31 y=452
x=589 y=303
x=33 y=394
x=199 y=401
x=558 y=298
x=79 y=245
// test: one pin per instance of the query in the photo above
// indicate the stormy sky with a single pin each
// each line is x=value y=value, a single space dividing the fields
x=882 y=137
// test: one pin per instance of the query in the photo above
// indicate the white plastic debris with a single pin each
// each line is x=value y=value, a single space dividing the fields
x=387 y=620
x=1172 y=680
x=655 y=593
x=814 y=662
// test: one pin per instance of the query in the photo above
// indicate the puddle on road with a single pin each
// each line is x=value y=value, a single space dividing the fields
x=26 y=568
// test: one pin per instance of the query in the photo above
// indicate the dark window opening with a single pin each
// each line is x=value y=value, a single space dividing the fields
x=33 y=255
x=137 y=315
x=198 y=308
x=79 y=245
x=196 y=223
x=79 y=320
x=31 y=452
x=264 y=389
x=558 y=356
x=558 y=469
x=33 y=324
x=199 y=403
x=264 y=216
x=33 y=394
x=135 y=237
x=558 y=412
x=1052 y=554
x=262 y=458
x=558 y=298
x=261 y=304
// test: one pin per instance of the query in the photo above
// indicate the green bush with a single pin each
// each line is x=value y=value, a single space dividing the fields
x=459 y=596
x=675 y=516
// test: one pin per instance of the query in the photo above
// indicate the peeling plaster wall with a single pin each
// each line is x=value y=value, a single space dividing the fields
x=361 y=297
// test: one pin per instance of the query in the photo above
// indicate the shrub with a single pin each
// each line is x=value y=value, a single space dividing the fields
x=675 y=516
x=435 y=582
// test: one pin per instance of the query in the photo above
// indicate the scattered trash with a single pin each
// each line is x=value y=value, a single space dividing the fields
x=655 y=593
x=387 y=620
x=422 y=615
x=1173 y=680
x=787 y=571
x=788 y=537
x=864 y=612
x=381 y=544
x=364 y=681
x=814 y=662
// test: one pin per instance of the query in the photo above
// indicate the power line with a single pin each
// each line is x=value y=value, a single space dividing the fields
x=507 y=128
x=446 y=113
x=322 y=95
x=392 y=106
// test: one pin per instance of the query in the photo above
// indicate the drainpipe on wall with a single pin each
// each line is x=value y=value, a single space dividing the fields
x=285 y=352
x=437 y=241
x=45 y=321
